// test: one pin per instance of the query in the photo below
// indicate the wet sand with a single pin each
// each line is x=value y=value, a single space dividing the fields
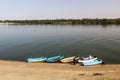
x=13 y=70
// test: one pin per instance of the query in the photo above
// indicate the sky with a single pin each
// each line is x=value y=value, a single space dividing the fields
x=58 y=9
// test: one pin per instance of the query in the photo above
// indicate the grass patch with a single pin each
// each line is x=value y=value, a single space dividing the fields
x=81 y=74
x=97 y=74
x=74 y=79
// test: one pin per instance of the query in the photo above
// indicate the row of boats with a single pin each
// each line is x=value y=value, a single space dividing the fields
x=85 y=61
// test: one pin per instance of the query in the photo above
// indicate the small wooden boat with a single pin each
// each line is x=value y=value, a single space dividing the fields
x=40 y=59
x=69 y=59
x=87 y=59
x=55 y=58
x=94 y=62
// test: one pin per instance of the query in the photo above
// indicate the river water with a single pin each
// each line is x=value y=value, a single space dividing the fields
x=18 y=42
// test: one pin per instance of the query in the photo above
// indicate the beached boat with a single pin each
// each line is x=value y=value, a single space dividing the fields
x=94 y=62
x=69 y=59
x=40 y=59
x=87 y=59
x=55 y=58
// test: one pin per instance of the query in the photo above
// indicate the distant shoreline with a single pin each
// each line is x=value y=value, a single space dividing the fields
x=85 y=21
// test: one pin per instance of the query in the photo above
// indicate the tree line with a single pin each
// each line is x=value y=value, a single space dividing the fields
x=85 y=21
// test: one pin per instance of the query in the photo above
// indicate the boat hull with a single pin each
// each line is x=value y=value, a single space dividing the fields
x=69 y=59
x=54 y=59
x=87 y=60
x=95 y=62
x=40 y=59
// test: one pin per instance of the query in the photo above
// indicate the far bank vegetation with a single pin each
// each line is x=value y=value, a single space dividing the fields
x=85 y=21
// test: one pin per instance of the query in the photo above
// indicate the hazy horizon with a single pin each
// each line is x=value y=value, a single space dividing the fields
x=58 y=9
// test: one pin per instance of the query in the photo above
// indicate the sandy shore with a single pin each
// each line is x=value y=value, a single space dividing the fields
x=12 y=70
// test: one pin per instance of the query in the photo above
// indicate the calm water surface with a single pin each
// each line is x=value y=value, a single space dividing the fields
x=18 y=42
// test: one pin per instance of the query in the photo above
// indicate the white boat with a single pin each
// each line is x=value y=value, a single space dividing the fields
x=88 y=59
x=69 y=59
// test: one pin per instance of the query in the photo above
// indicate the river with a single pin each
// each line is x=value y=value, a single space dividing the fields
x=18 y=42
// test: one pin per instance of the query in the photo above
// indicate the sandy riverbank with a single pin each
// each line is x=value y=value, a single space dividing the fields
x=12 y=70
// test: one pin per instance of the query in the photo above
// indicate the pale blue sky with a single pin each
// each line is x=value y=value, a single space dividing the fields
x=57 y=9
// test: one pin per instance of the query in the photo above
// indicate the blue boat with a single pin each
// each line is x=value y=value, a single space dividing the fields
x=94 y=62
x=40 y=59
x=55 y=58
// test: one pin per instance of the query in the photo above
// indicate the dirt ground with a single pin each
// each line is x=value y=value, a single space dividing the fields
x=13 y=70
